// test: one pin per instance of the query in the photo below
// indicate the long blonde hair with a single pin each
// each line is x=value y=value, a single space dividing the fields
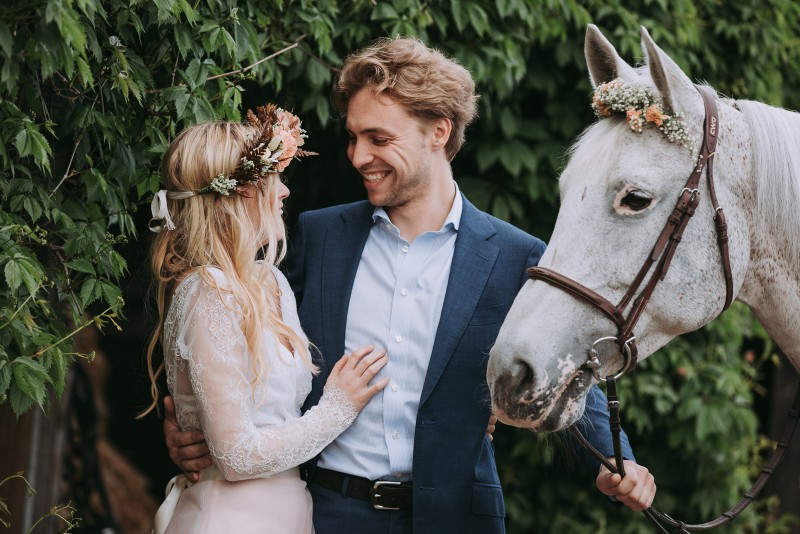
x=216 y=231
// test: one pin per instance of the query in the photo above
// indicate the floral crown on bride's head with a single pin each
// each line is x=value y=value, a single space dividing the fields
x=640 y=106
x=276 y=143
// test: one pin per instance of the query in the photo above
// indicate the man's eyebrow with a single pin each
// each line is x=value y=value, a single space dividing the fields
x=371 y=131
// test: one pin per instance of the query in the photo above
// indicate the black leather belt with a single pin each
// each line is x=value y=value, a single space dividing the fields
x=381 y=494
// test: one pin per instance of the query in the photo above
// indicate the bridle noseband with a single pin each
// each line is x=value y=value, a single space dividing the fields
x=661 y=254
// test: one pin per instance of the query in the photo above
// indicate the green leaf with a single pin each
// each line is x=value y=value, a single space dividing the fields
x=458 y=14
x=6 y=41
x=384 y=10
x=197 y=73
x=68 y=24
x=323 y=110
x=19 y=401
x=213 y=38
x=180 y=104
x=82 y=265
x=5 y=377
x=183 y=39
x=30 y=377
x=165 y=9
x=13 y=272
x=478 y=18
x=111 y=294
x=171 y=94
x=230 y=43
x=90 y=291
x=187 y=10
x=85 y=72
x=118 y=264
x=317 y=74
x=58 y=370
x=33 y=208
x=30 y=142
x=508 y=122
x=203 y=112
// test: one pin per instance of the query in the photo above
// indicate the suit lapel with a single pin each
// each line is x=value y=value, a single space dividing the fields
x=473 y=259
x=344 y=243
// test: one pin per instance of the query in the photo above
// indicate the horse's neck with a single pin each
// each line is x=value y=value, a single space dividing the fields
x=774 y=298
x=768 y=193
x=772 y=285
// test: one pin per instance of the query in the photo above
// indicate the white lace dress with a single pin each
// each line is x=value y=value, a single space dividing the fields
x=257 y=438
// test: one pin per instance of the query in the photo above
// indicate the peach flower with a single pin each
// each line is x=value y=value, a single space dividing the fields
x=289 y=144
x=653 y=114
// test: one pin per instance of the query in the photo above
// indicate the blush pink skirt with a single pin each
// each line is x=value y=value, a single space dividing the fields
x=276 y=505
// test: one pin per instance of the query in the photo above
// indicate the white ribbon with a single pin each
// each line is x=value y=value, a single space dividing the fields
x=175 y=487
x=159 y=210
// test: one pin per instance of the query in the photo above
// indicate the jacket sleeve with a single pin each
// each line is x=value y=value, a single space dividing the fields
x=595 y=428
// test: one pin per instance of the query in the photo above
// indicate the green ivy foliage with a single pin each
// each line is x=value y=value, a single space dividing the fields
x=91 y=92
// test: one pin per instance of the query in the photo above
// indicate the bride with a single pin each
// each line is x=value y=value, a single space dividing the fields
x=237 y=362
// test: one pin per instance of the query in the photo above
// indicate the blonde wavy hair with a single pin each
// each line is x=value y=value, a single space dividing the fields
x=217 y=231
x=428 y=84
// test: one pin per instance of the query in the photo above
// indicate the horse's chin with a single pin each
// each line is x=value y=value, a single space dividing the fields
x=547 y=412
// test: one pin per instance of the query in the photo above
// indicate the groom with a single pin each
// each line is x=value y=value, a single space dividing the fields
x=420 y=271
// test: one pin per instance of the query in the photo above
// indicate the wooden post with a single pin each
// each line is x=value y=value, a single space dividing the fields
x=33 y=444
x=785 y=482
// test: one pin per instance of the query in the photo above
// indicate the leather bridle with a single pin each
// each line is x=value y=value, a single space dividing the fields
x=661 y=256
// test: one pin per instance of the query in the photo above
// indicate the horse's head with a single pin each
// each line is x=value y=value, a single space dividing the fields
x=617 y=192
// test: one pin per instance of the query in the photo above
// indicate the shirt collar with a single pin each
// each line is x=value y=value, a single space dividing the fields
x=452 y=220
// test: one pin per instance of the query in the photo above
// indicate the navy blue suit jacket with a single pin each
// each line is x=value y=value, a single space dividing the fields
x=456 y=486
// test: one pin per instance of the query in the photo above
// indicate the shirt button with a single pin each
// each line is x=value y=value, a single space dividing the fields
x=399 y=339
x=396 y=435
x=395 y=387
x=405 y=248
x=404 y=292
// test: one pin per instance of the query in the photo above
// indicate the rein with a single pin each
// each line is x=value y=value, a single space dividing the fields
x=661 y=256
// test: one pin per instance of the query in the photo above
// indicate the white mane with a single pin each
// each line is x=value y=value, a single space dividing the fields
x=776 y=166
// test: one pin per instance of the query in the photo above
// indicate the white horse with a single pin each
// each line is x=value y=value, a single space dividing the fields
x=616 y=194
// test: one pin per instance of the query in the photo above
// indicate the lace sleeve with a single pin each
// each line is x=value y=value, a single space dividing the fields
x=219 y=371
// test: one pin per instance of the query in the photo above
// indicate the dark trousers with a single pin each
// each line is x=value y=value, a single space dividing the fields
x=335 y=513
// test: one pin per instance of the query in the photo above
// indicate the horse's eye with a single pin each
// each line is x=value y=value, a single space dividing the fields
x=636 y=200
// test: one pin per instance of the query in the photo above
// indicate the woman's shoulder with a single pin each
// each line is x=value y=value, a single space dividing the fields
x=205 y=275
x=207 y=282
x=279 y=276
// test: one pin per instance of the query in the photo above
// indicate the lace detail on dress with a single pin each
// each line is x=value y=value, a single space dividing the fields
x=250 y=433
x=268 y=450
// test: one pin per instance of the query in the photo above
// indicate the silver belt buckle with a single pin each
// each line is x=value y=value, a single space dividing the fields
x=375 y=495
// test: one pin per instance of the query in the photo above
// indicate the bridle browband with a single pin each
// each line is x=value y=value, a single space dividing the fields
x=661 y=255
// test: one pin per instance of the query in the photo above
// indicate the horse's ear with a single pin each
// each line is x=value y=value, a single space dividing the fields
x=604 y=63
x=677 y=90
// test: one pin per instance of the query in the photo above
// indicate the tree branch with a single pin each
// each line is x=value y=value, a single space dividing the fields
x=260 y=61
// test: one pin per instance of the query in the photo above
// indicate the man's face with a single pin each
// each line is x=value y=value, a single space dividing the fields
x=390 y=148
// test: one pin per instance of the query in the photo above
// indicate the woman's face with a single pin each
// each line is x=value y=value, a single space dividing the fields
x=267 y=213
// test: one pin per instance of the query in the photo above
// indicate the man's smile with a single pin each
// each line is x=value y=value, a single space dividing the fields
x=375 y=176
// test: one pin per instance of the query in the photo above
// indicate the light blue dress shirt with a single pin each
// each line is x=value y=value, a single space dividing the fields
x=396 y=303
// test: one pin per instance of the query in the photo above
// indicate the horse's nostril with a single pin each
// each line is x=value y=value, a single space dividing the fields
x=524 y=377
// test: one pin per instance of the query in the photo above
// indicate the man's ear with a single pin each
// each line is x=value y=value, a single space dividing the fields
x=442 y=128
